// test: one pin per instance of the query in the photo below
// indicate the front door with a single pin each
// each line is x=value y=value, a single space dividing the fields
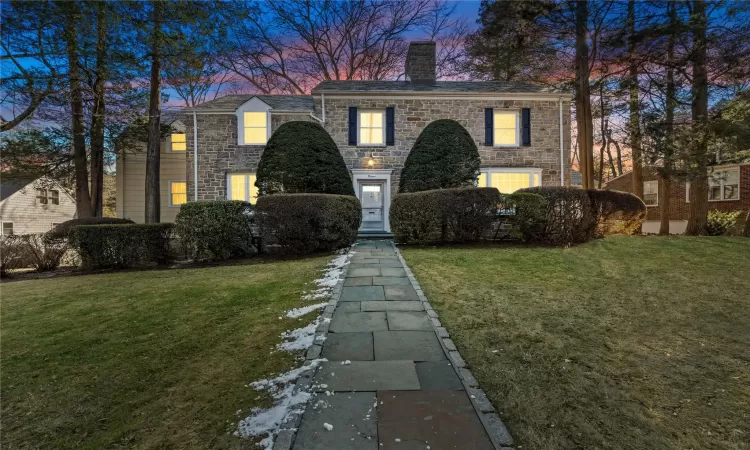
x=371 y=196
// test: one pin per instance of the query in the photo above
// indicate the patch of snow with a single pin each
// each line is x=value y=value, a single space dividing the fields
x=299 y=338
x=327 y=426
x=299 y=312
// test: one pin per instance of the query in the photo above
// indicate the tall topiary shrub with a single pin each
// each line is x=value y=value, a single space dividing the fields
x=300 y=158
x=444 y=156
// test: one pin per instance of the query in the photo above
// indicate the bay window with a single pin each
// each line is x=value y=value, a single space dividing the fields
x=509 y=180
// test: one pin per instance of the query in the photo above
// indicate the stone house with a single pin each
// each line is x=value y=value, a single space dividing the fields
x=522 y=132
x=34 y=206
x=729 y=190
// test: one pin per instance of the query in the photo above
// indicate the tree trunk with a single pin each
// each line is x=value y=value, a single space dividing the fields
x=635 y=107
x=584 y=121
x=72 y=20
x=619 y=155
x=153 y=204
x=665 y=185
x=671 y=105
x=604 y=135
x=746 y=230
x=698 y=213
x=97 y=112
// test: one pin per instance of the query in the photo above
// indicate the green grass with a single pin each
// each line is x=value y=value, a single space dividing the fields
x=153 y=359
x=622 y=343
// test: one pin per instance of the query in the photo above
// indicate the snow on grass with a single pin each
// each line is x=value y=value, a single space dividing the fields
x=286 y=399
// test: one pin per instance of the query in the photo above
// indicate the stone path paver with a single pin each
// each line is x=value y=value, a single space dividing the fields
x=393 y=379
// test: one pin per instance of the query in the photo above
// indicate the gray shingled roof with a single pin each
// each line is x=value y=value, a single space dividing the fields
x=438 y=86
x=278 y=102
x=8 y=189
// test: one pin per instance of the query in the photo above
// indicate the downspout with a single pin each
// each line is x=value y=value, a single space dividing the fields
x=195 y=157
x=323 y=101
x=562 y=150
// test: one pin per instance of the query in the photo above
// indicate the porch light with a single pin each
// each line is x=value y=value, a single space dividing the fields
x=371 y=162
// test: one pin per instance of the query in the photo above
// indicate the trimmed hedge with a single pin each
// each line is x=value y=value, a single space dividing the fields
x=305 y=223
x=215 y=230
x=569 y=217
x=443 y=156
x=616 y=212
x=529 y=215
x=122 y=245
x=64 y=230
x=443 y=215
x=301 y=157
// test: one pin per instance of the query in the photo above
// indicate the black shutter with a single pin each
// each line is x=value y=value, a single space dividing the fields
x=526 y=127
x=390 y=132
x=488 y=127
x=352 y=125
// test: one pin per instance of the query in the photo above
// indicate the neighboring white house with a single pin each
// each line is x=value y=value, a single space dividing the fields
x=34 y=206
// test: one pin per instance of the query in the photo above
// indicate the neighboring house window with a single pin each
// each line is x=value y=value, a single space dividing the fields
x=41 y=196
x=505 y=130
x=509 y=180
x=54 y=197
x=54 y=224
x=724 y=185
x=241 y=186
x=7 y=228
x=651 y=193
x=179 y=142
x=255 y=125
x=371 y=127
x=177 y=193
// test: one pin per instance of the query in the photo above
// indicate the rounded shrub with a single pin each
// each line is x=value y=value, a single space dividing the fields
x=443 y=215
x=64 y=230
x=305 y=223
x=301 y=157
x=569 y=217
x=616 y=212
x=720 y=223
x=215 y=230
x=444 y=156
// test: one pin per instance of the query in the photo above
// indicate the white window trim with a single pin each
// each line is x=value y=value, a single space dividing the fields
x=518 y=127
x=657 y=192
x=723 y=180
x=530 y=170
x=253 y=105
x=359 y=126
x=247 y=185
x=169 y=183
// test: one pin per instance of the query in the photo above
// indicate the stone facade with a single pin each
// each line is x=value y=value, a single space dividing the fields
x=219 y=154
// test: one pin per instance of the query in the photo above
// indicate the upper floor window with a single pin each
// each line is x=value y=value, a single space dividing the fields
x=41 y=196
x=179 y=142
x=54 y=197
x=371 y=127
x=724 y=184
x=651 y=193
x=505 y=128
x=255 y=126
x=45 y=196
x=241 y=186
x=177 y=193
x=509 y=180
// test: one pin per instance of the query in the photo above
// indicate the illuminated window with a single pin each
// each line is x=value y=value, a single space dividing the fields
x=177 y=193
x=651 y=193
x=255 y=126
x=242 y=187
x=724 y=185
x=505 y=128
x=510 y=180
x=179 y=142
x=371 y=129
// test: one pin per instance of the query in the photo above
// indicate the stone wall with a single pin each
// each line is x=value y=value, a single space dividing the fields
x=220 y=154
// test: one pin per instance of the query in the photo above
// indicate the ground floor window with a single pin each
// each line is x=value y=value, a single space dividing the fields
x=509 y=180
x=651 y=193
x=241 y=186
x=724 y=184
x=177 y=193
x=7 y=228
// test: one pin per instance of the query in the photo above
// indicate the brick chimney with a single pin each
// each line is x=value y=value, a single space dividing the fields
x=420 y=62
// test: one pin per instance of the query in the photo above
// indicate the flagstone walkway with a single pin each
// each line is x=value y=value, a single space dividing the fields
x=391 y=379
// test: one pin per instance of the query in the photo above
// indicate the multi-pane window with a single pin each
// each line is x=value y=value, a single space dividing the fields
x=7 y=228
x=255 y=126
x=371 y=128
x=505 y=128
x=179 y=142
x=724 y=184
x=54 y=197
x=177 y=193
x=241 y=186
x=651 y=192
x=508 y=182
x=41 y=196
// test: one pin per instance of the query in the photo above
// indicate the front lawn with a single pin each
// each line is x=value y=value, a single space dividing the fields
x=154 y=359
x=622 y=343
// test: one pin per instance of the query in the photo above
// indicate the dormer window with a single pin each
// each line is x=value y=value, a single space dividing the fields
x=256 y=126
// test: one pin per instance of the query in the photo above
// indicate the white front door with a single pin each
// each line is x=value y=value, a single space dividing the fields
x=371 y=195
